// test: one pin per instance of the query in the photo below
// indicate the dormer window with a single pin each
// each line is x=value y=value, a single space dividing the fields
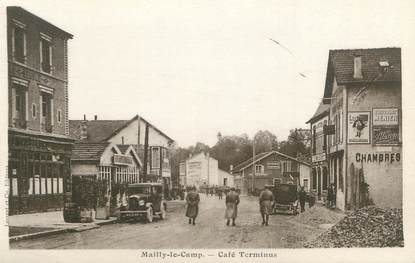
x=45 y=53
x=19 y=41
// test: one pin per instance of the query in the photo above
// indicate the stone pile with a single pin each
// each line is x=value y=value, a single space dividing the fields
x=367 y=227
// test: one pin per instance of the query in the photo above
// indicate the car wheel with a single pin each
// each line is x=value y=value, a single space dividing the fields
x=163 y=212
x=149 y=215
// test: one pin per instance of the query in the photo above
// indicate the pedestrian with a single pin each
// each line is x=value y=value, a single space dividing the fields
x=192 y=200
x=302 y=196
x=231 y=201
x=265 y=204
x=331 y=196
x=220 y=193
x=207 y=190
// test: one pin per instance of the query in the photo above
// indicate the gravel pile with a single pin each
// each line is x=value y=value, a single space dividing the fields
x=366 y=227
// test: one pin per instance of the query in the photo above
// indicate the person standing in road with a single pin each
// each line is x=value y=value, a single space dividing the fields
x=302 y=196
x=220 y=193
x=231 y=201
x=192 y=200
x=265 y=204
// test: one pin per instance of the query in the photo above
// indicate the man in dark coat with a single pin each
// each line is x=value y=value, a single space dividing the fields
x=231 y=201
x=265 y=204
x=192 y=200
x=331 y=196
x=302 y=196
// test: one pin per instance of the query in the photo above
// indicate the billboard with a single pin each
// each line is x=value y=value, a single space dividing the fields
x=358 y=127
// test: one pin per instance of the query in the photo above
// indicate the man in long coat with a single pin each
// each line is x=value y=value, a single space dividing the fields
x=232 y=201
x=265 y=205
x=192 y=200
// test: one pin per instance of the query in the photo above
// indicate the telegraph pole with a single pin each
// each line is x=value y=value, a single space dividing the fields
x=253 y=164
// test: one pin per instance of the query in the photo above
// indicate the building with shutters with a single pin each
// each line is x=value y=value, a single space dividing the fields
x=39 y=145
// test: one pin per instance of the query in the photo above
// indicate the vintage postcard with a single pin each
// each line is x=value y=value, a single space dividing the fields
x=206 y=131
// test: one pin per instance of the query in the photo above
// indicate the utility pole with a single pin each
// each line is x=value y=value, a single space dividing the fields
x=138 y=137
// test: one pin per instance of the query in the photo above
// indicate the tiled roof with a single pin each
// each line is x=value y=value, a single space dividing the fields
x=260 y=156
x=102 y=130
x=249 y=161
x=139 y=150
x=343 y=64
x=97 y=130
x=322 y=108
x=88 y=151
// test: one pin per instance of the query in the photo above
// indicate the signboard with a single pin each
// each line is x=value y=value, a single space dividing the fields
x=273 y=165
x=122 y=159
x=358 y=127
x=329 y=129
x=386 y=117
x=386 y=135
x=318 y=157
x=385 y=126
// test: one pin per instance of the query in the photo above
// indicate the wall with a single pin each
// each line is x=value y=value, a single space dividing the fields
x=82 y=169
x=223 y=174
x=384 y=177
x=130 y=135
x=31 y=71
x=305 y=173
x=201 y=169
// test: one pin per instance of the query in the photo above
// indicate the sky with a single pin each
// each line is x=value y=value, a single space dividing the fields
x=196 y=68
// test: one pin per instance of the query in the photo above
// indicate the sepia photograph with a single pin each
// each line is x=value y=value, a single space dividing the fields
x=205 y=130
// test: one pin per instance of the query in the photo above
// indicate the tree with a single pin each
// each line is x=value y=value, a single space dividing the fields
x=265 y=141
x=297 y=143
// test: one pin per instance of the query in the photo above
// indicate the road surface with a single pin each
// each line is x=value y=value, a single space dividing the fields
x=210 y=231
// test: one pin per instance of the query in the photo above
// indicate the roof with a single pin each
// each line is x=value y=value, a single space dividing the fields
x=341 y=65
x=20 y=9
x=259 y=157
x=321 y=111
x=102 y=130
x=87 y=151
x=138 y=150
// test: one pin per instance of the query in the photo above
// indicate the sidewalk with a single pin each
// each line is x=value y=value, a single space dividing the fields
x=26 y=226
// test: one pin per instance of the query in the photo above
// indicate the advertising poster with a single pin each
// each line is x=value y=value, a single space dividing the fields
x=358 y=125
x=385 y=126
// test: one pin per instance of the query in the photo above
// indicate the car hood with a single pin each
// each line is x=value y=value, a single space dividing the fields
x=140 y=196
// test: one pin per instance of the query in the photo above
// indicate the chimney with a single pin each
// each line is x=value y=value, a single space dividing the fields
x=84 y=117
x=95 y=117
x=84 y=132
x=357 y=73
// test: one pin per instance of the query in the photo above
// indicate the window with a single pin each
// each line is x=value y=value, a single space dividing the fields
x=59 y=117
x=45 y=53
x=19 y=42
x=286 y=166
x=314 y=179
x=20 y=106
x=155 y=157
x=34 y=111
x=46 y=108
x=277 y=181
x=259 y=169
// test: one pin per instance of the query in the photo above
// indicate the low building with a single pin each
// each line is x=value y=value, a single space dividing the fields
x=202 y=170
x=364 y=151
x=122 y=147
x=39 y=151
x=270 y=168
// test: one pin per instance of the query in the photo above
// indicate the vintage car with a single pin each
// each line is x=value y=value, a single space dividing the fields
x=285 y=199
x=145 y=200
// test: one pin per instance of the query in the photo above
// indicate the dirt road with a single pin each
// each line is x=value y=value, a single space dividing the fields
x=210 y=231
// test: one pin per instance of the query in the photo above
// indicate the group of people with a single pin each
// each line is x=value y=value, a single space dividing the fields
x=231 y=205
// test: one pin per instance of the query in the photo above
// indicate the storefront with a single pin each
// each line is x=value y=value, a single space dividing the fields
x=39 y=171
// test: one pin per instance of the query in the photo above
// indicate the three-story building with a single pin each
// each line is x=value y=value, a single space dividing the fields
x=39 y=146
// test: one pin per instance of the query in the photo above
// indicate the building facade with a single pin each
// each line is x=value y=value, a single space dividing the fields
x=270 y=168
x=39 y=146
x=125 y=143
x=320 y=169
x=364 y=92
